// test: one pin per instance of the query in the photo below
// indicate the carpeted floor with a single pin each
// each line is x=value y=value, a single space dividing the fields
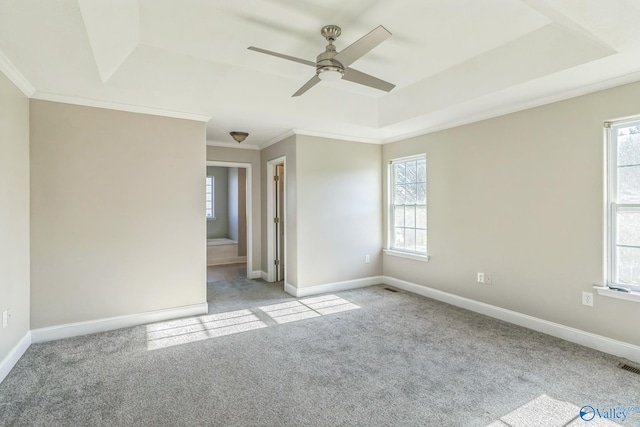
x=365 y=357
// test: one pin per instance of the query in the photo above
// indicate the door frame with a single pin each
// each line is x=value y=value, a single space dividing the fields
x=249 y=210
x=271 y=208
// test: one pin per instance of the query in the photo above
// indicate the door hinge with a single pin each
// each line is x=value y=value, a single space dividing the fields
x=276 y=262
x=276 y=178
x=276 y=220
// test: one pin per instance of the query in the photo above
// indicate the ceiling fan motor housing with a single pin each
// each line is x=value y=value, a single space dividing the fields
x=325 y=61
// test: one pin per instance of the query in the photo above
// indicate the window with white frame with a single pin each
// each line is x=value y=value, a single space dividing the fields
x=408 y=200
x=210 y=184
x=624 y=204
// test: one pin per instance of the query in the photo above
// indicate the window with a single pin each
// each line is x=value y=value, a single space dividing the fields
x=210 y=182
x=408 y=216
x=624 y=204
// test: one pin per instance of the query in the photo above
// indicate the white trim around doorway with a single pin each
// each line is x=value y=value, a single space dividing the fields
x=271 y=256
x=249 y=211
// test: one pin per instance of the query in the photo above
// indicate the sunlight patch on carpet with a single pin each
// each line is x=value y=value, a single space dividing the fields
x=183 y=331
x=544 y=411
x=307 y=308
x=192 y=329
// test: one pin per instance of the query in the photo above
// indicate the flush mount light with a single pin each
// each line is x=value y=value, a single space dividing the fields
x=330 y=73
x=239 y=136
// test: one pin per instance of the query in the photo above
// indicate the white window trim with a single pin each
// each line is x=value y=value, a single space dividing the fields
x=213 y=204
x=606 y=291
x=407 y=254
x=612 y=289
x=389 y=250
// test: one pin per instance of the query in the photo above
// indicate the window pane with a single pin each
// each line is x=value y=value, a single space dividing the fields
x=422 y=170
x=398 y=241
x=410 y=197
x=629 y=146
x=399 y=172
x=411 y=173
x=410 y=239
x=628 y=227
x=398 y=198
x=421 y=194
x=398 y=216
x=409 y=189
x=628 y=265
x=209 y=197
x=410 y=216
x=421 y=240
x=421 y=217
x=629 y=184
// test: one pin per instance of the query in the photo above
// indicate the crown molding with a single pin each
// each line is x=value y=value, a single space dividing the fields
x=16 y=77
x=522 y=106
x=330 y=135
x=318 y=134
x=44 y=96
x=277 y=139
x=232 y=145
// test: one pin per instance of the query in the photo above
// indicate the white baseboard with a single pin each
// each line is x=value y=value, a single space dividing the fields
x=14 y=355
x=290 y=289
x=256 y=274
x=332 y=287
x=264 y=276
x=101 y=325
x=587 y=339
x=228 y=260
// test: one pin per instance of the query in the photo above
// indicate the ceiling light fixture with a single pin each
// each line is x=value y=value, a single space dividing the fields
x=330 y=73
x=239 y=136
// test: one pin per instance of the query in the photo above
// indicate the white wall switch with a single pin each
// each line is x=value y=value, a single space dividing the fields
x=367 y=259
x=480 y=277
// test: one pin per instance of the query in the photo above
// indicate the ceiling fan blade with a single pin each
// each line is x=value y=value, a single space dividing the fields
x=357 y=49
x=308 y=85
x=283 y=56
x=359 y=77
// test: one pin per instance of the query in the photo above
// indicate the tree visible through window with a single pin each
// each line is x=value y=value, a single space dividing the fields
x=624 y=204
x=409 y=205
x=210 y=182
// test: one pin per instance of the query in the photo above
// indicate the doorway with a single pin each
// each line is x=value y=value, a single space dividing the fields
x=236 y=245
x=276 y=220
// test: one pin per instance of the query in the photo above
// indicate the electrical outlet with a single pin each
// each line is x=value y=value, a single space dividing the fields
x=367 y=259
x=480 y=277
x=587 y=299
x=488 y=279
x=5 y=318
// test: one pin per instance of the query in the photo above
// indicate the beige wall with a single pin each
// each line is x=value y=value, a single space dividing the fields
x=339 y=210
x=520 y=197
x=286 y=148
x=238 y=155
x=109 y=235
x=14 y=214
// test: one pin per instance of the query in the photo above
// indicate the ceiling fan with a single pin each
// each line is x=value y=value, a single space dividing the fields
x=332 y=65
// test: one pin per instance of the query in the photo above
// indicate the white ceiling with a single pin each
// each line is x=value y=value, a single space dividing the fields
x=453 y=61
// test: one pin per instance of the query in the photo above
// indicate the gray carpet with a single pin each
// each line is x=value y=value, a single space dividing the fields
x=396 y=360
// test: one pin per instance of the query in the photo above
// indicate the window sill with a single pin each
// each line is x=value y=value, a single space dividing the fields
x=408 y=255
x=213 y=218
x=606 y=292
